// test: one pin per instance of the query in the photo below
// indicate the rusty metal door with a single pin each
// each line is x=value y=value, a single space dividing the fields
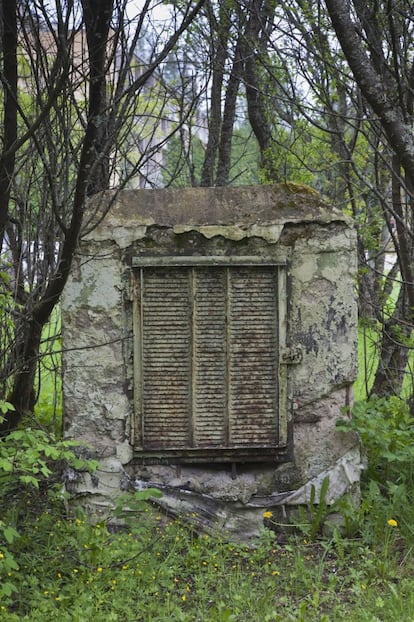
x=208 y=379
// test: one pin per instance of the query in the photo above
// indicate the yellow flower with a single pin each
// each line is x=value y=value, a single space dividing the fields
x=392 y=522
x=99 y=569
x=275 y=573
x=1 y=555
x=183 y=597
x=267 y=514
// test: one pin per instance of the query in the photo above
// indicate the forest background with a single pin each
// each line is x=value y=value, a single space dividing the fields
x=99 y=94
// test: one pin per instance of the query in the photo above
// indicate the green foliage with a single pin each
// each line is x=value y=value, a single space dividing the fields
x=5 y=406
x=180 y=171
x=312 y=518
x=183 y=163
x=27 y=458
x=386 y=430
x=28 y=466
x=8 y=308
x=368 y=345
x=299 y=154
x=48 y=409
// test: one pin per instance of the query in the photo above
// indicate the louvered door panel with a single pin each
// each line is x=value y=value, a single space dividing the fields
x=166 y=360
x=253 y=357
x=210 y=358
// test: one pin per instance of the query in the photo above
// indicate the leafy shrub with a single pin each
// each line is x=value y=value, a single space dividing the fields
x=29 y=479
x=386 y=430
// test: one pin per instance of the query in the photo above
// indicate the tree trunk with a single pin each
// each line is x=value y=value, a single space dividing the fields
x=393 y=352
x=256 y=108
x=8 y=18
x=229 y=115
x=220 y=55
x=375 y=91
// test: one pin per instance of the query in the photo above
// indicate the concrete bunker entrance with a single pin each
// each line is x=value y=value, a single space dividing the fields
x=220 y=334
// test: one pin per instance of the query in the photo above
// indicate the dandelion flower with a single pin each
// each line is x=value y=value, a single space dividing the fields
x=392 y=522
x=267 y=514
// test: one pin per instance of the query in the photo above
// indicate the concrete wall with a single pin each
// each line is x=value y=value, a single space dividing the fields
x=287 y=220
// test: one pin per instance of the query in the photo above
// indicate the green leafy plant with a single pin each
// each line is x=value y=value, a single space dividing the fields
x=318 y=509
x=386 y=428
x=29 y=466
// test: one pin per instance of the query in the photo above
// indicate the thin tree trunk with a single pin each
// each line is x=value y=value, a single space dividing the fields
x=256 y=107
x=393 y=355
x=229 y=115
x=218 y=68
x=9 y=83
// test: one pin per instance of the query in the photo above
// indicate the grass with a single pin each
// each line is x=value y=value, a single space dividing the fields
x=61 y=567
x=160 y=571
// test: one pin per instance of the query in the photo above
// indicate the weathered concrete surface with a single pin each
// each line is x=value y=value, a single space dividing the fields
x=286 y=221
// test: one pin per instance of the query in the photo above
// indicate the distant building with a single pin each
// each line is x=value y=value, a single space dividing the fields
x=137 y=161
